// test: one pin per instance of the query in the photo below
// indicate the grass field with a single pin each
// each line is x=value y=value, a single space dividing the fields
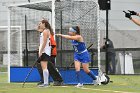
x=121 y=84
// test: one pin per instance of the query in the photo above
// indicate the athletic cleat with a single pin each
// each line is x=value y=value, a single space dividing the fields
x=79 y=85
x=43 y=85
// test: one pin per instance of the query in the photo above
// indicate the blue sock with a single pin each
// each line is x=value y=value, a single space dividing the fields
x=78 y=76
x=92 y=75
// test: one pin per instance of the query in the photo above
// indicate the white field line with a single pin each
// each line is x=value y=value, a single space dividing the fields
x=107 y=90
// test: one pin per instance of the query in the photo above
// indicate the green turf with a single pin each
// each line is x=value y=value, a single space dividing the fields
x=3 y=69
x=3 y=78
x=121 y=84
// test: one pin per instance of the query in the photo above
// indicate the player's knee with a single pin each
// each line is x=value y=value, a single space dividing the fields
x=77 y=68
x=86 y=70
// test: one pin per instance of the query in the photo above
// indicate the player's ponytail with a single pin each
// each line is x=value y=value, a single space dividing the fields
x=48 y=26
x=77 y=29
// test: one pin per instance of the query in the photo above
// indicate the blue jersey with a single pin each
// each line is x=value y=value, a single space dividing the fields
x=79 y=47
x=81 y=54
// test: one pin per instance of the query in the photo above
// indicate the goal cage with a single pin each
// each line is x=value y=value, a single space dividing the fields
x=61 y=15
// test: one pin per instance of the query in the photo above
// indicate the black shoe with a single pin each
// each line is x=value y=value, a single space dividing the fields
x=57 y=83
x=40 y=83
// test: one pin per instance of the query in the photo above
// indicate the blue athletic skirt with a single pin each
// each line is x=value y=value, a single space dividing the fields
x=82 y=57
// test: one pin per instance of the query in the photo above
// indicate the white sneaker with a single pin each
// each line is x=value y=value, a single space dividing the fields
x=79 y=85
x=43 y=85
x=97 y=81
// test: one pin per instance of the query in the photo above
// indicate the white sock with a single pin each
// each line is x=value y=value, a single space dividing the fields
x=46 y=76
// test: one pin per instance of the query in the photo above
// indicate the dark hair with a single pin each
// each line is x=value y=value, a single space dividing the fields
x=48 y=26
x=77 y=28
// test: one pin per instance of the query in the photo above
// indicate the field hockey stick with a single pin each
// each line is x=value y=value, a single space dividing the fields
x=27 y=76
